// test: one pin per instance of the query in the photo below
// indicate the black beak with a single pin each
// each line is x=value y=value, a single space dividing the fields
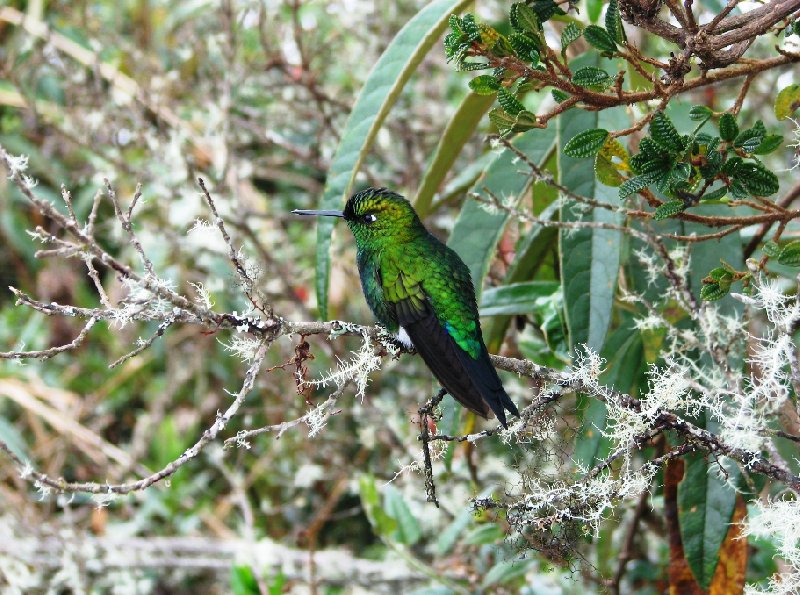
x=322 y=213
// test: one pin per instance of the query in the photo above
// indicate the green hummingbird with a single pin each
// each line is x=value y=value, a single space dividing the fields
x=421 y=290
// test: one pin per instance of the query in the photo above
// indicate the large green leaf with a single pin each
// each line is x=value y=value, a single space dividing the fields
x=408 y=530
x=705 y=507
x=477 y=231
x=460 y=129
x=589 y=257
x=517 y=298
x=382 y=88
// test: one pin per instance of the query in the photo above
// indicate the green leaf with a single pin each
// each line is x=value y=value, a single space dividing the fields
x=524 y=45
x=590 y=76
x=589 y=257
x=506 y=571
x=749 y=140
x=586 y=143
x=713 y=164
x=510 y=104
x=638 y=183
x=570 y=33
x=383 y=524
x=408 y=530
x=524 y=19
x=476 y=231
x=485 y=84
x=669 y=209
x=700 y=112
x=757 y=179
x=614 y=22
x=705 y=508
x=728 y=129
x=664 y=133
x=380 y=92
x=507 y=124
x=711 y=292
x=715 y=195
x=599 y=38
x=771 y=249
x=447 y=538
x=769 y=144
x=517 y=298
x=243 y=582
x=459 y=131
x=787 y=101
x=484 y=534
x=559 y=95
x=790 y=255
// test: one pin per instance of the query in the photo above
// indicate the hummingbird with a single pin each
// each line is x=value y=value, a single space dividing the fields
x=421 y=290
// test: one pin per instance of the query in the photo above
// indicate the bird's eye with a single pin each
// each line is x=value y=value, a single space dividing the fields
x=370 y=218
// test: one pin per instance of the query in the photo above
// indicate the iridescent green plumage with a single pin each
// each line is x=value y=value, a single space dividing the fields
x=416 y=285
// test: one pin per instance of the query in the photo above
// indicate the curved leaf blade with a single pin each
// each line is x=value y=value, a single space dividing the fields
x=459 y=130
x=382 y=88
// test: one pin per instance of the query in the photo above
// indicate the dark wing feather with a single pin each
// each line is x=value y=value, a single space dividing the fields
x=472 y=382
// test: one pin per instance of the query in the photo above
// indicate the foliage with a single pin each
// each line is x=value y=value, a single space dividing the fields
x=630 y=223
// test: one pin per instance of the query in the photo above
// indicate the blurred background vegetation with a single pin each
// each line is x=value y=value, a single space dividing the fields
x=254 y=96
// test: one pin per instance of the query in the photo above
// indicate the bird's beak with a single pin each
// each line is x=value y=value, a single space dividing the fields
x=322 y=213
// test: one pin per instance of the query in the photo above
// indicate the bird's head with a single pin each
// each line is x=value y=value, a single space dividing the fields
x=376 y=215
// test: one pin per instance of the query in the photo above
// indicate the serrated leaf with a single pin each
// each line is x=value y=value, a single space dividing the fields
x=728 y=128
x=638 y=183
x=790 y=255
x=769 y=144
x=485 y=84
x=669 y=209
x=545 y=9
x=524 y=19
x=599 y=38
x=379 y=93
x=473 y=66
x=717 y=194
x=614 y=22
x=712 y=292
x=459 y=130
x=559 y=95
x=732 y=165
x=509 y=103
x=771 y=249
x=712 y=165
x=787 y=101
x=757 y=179
x=664 y=133
x=586 y=143
x=700 y=112
x=749 y=140
x=523 y=45
x=570 y=33
x=737 y=190
x=589 y=76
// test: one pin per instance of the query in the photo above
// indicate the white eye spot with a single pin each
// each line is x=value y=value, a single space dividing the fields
x=370 y=218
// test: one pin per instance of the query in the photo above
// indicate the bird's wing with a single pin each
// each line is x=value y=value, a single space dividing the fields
x=415 y=314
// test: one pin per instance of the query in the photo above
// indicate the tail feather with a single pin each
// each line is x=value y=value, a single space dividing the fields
x=472 y=382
